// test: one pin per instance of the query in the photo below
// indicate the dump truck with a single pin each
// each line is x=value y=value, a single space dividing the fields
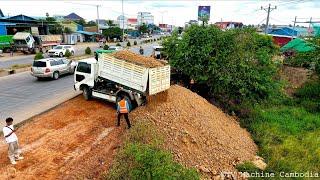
x=109 y=78
x=27 y=43
x=5 y=42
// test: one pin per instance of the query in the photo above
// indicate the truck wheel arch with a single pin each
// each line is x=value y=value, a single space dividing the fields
x=87 y=93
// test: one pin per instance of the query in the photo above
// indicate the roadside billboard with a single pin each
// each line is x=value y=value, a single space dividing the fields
x=204 y=13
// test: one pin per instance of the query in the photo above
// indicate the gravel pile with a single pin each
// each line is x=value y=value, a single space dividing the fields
x=136 y=58
x=198 y=134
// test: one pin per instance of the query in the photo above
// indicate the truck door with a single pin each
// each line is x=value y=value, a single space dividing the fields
x=85 y=74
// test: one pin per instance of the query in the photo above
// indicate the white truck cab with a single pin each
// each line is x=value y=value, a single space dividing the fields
x=24 y=42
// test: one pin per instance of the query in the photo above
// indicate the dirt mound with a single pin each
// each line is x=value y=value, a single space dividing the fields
x=199 y=134
x=136 y=58
x=76 y=140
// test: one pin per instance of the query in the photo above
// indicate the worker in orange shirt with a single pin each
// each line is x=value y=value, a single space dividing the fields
x=123 y=108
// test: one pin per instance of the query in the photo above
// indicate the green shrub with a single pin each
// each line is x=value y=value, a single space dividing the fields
x=310 y=90
x=236 y=65
x=118 y=44
x=128 y=43
x=87 y=50
x=247 y=167
x=106 y=47
x=142 y=161
x=38 y=56
x=68 y=53
x=135 y=43
x=309 y=96
x=142 y=157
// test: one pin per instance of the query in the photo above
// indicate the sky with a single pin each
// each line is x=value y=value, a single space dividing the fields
x=175 y=12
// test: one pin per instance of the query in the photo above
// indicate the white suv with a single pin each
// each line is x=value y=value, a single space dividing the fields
x=60 y=50
x=52 y=67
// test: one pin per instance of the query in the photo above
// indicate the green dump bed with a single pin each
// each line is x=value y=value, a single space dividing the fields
x=5 y=41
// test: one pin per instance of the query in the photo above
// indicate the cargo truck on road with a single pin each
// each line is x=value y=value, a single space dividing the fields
x=27 y=43
x=109 y=77
x=5 y=42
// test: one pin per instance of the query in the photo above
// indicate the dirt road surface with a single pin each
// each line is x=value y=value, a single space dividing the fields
x=66 y=143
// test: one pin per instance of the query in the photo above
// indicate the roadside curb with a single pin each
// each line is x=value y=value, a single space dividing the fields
x=38 y=114
x=8 y=72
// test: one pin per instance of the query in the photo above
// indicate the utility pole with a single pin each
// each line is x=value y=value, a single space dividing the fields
x=294 y=25
x=122 y=23
x=268 y=10
x=98 y=19
x=309 y=32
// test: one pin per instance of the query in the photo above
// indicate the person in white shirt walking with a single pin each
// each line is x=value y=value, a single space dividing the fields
x=12 y=141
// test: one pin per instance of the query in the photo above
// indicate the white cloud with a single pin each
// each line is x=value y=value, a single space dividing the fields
x=173 y=12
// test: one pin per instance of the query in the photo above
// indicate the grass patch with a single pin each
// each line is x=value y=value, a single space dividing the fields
x=247 y=167
x=76 y=58
x=142 y=157
x=288 y=131
x=19 y=66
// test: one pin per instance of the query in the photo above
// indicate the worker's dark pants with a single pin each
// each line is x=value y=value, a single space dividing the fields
x=126 y=117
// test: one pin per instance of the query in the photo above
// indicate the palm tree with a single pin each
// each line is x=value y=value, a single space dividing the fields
x=110 y=22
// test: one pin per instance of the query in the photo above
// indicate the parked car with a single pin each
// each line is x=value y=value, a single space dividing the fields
x=60 y=50
x=115 y=48
x=52 y=67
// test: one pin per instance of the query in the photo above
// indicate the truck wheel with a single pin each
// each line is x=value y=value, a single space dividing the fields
x=61 y=54
x=55 y=75
x=86 y=93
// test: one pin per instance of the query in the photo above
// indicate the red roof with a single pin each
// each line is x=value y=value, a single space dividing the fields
x=132 y=20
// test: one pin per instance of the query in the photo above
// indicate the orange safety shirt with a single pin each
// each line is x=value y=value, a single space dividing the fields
x=123 y=106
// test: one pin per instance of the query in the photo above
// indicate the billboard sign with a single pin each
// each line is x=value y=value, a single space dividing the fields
x=203 y=13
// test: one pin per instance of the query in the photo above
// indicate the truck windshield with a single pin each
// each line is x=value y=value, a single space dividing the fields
x=39 y=64
x=84 y=67
x=20 y=42
x=58 y=47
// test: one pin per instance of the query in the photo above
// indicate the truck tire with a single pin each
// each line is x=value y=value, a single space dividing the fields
x=55 y=75
x=86 y=93
x=61 y=54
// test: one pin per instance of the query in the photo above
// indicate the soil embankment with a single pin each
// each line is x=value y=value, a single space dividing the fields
x=78 y=139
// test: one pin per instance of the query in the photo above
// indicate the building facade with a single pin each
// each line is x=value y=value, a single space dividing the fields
x=122 y=22
x=132 y=23
x=145 y=18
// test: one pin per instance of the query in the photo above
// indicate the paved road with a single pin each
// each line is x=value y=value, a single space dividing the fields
x=28 y=59
x=148 y=50
x=22 y=96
